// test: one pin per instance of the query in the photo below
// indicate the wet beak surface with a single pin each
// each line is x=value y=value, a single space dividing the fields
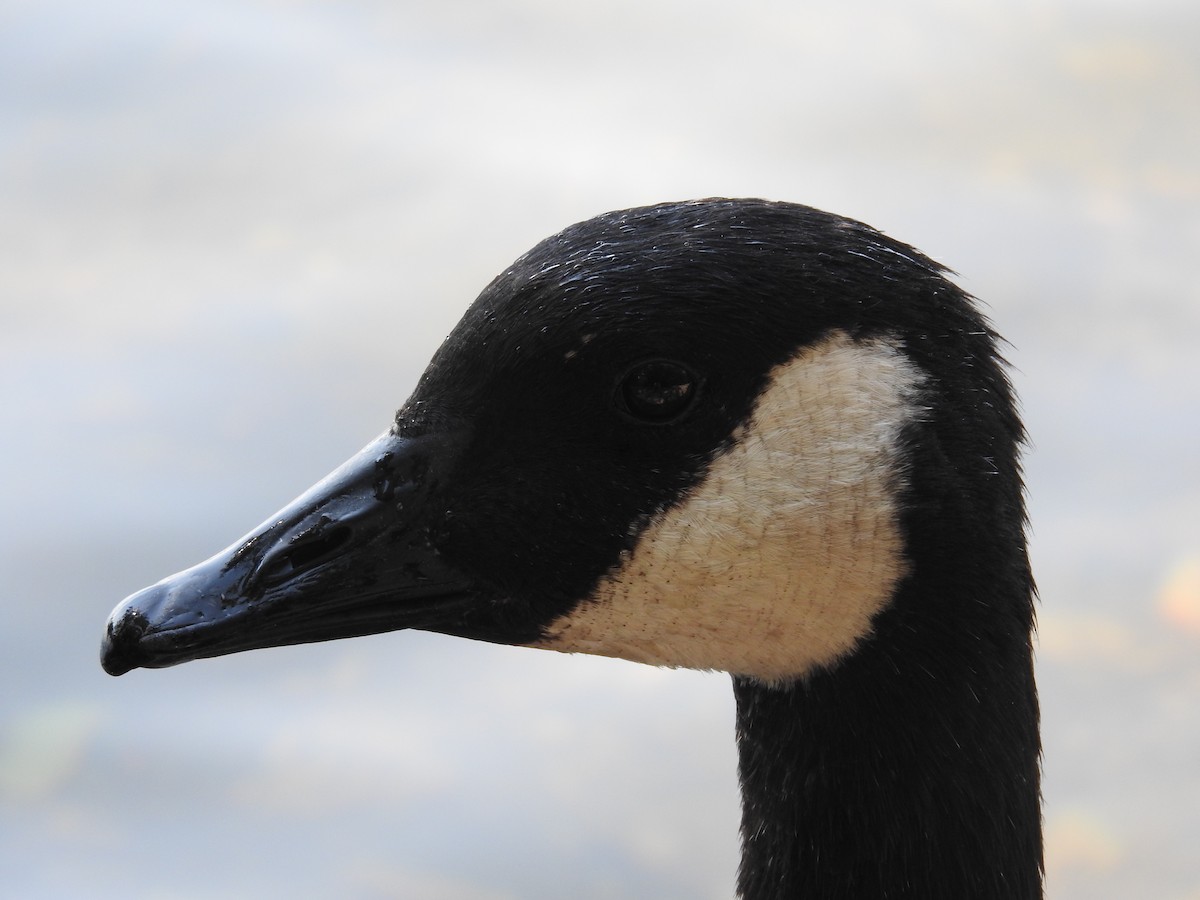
x=353 y=555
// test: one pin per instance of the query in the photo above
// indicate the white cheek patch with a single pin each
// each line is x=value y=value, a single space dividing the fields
x=778 y=560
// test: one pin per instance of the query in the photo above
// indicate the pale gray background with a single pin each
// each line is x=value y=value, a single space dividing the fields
x=232 y=233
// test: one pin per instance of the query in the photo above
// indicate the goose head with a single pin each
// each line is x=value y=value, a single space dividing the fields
x=683 y=435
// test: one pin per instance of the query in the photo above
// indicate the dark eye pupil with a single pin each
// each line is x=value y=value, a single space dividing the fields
x=658 y=391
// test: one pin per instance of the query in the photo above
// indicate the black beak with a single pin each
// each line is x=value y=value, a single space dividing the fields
x=354 y=555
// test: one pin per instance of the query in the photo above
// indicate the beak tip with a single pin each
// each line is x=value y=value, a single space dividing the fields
x=112 y=660
x=119 y=650
x=113 y=665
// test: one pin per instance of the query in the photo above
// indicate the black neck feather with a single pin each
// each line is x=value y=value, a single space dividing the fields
x=909 y=770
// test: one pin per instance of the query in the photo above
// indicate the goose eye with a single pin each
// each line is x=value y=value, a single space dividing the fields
x=658 y=391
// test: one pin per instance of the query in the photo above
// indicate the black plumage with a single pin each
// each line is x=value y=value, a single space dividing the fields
x=590 y=391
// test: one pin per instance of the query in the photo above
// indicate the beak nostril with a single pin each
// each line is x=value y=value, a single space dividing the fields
x=305 y=552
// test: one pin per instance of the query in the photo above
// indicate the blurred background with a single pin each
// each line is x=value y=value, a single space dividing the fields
x=232 y=234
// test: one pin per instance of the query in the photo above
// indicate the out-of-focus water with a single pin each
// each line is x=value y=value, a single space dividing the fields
x=231 y=234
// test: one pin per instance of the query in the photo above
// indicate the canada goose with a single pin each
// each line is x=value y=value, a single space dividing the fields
x=723 y=434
